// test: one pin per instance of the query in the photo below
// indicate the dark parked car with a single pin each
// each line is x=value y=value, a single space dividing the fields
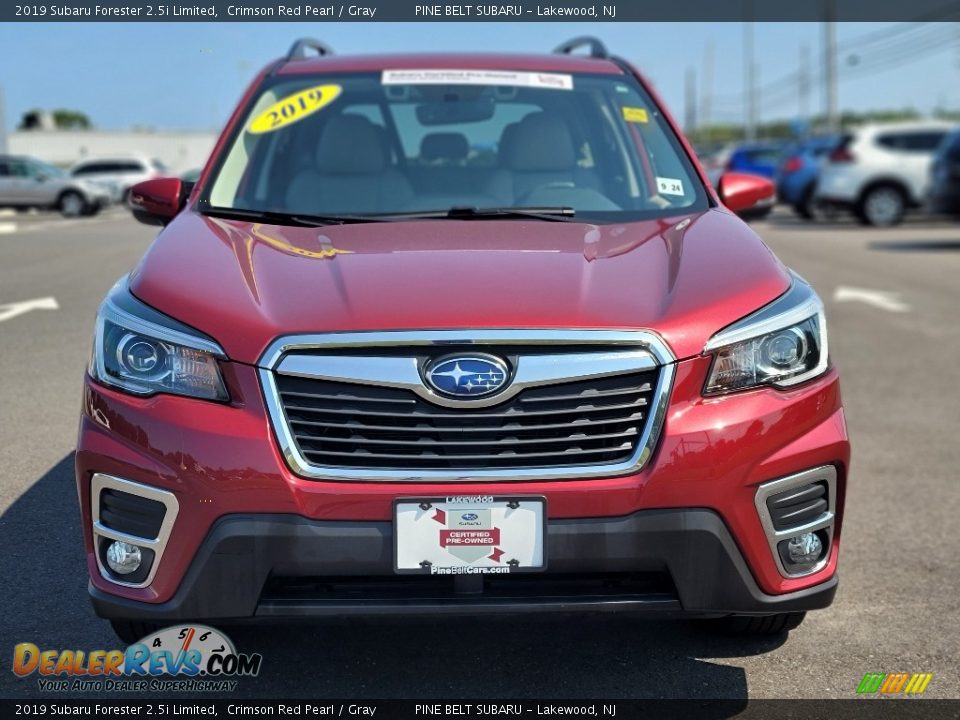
x=945 y=176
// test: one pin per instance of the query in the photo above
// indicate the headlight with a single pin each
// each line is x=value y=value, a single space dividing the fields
x=141 y=351
x=782 y=344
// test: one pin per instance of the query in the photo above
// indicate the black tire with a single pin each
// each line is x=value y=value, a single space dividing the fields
x=805 y=208
x=129 y=631
x=882 y=205
x=758 y=626
x=72 y=204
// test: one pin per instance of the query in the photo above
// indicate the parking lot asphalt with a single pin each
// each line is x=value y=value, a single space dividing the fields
x=891 y=296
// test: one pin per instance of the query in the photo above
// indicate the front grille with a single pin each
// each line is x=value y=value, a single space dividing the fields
x=592 y=422
x=131 y=514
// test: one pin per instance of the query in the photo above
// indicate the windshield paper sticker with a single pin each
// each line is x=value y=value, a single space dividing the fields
x=554 y=81
x=294 y=108
x=635 y=114
x=669 y=186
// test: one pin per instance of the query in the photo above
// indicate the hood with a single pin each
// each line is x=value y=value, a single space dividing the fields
x=246 y=284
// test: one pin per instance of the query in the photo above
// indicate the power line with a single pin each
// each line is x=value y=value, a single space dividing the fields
x=910 y=35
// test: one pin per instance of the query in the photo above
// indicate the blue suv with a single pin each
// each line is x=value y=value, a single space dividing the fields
x=797 y=177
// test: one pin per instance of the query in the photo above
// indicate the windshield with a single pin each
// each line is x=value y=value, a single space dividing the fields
x=407 y=141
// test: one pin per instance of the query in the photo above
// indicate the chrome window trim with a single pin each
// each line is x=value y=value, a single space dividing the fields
x=102 y=481
x=643 y=349
x=826 y=473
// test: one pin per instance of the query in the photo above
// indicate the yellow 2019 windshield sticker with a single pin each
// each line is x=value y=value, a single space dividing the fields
x=293 y=108
x=635 y=114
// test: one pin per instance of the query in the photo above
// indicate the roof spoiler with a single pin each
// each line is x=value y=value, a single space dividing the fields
x=597 y=48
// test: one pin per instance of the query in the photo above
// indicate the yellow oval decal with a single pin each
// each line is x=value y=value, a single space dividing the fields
x=293 y=108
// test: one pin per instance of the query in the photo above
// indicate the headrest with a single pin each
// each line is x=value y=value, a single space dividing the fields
x=541 y=142
x=444 y=146
x=350 y=144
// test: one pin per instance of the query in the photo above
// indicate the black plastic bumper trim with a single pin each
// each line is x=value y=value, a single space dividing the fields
x=694 y=546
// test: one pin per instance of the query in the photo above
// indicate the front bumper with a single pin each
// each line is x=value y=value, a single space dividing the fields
x=235 y=494
x=691 y=549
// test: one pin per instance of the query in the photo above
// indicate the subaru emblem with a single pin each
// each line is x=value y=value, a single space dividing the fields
x=469 y=517
x=468 y=376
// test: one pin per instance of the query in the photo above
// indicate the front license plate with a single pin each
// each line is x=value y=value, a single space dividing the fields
x=469 y=535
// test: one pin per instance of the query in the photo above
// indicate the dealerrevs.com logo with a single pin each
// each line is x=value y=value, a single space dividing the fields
x=181 y=658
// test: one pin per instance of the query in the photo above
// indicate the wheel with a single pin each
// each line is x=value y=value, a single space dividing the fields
x=129 y=631
x=806 y=208
x=882 y=206
x=757 y=626
x=72 y=204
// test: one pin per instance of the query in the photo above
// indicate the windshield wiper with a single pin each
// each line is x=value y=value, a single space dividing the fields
x=550 y=214
x=300 y=219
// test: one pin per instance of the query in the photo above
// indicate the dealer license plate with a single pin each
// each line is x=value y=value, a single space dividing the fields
x=469 y=534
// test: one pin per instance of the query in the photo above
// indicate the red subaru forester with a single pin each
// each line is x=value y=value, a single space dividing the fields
x=458 y=334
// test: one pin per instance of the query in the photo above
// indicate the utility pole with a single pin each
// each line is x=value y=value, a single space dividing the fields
x=803 y=101
x=830 y=66
x=3 y=123
x=749 y=68
x=690 y=104
x=706 y=92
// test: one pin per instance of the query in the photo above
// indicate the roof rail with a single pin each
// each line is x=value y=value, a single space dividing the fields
x=298 y=51
x=597 y=48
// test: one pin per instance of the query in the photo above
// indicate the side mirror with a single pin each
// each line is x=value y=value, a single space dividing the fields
x=746 y=195
x=157 y=201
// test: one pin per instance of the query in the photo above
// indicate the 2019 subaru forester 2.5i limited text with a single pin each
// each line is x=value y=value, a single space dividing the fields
x=458 y=334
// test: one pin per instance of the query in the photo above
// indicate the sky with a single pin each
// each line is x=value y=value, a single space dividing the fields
x=189 y=76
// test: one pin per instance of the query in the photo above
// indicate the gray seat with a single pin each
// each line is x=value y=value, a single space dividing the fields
x=535 y=153
x=351 y=172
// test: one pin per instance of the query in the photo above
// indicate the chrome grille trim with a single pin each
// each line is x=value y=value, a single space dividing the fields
x=642 y=351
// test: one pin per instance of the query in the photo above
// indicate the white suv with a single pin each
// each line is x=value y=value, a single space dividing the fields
x=121 y=173
x=880 y=171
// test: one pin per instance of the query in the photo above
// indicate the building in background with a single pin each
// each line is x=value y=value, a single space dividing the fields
x=178 y=150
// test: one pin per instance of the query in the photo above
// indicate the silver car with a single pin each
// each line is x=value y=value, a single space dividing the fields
x=27 y=182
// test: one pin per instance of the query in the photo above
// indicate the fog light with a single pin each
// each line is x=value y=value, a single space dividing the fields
x=123 y=558
x=804 y=549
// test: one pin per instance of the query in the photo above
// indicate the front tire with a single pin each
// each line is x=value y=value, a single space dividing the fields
x=72 y=204
x=806 y=207
x=882 y=206
x=758 y=626
x=130 y=631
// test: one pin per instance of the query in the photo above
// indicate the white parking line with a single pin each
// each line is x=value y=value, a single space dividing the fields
x=28 y=227
x=881 y=299
x=12 y=310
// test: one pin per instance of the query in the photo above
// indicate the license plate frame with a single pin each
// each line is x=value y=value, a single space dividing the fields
x=496 y=505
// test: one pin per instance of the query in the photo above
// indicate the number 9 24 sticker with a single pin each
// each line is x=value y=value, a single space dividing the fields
x=294 y=108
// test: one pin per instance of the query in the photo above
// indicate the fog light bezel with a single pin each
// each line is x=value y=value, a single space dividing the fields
x=822 y=525
x=151 y=549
